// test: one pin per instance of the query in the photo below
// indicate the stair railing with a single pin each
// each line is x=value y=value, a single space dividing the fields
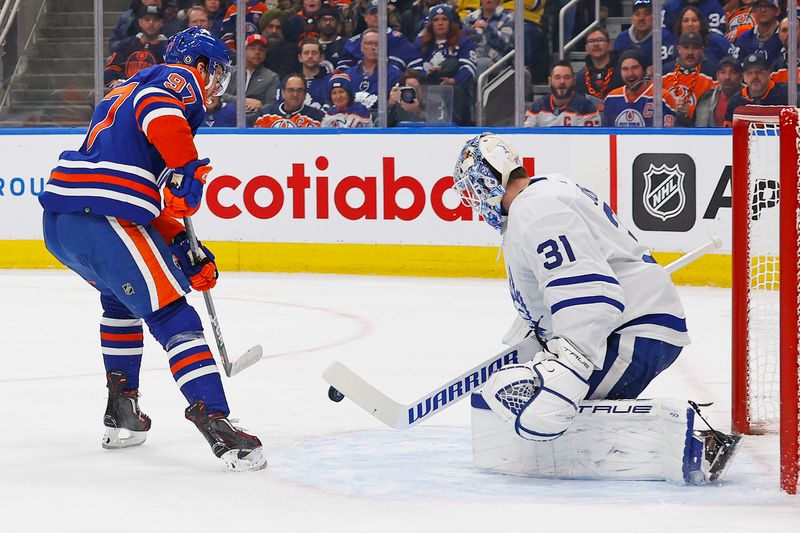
x=484 y=80
x=564 y=48
x=6 y=27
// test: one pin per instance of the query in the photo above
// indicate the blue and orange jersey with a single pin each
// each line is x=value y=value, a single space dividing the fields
x=252 y=16
x=622 y=110
x=141 y=128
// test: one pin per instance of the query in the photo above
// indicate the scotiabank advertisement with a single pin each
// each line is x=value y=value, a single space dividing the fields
x=388 y=188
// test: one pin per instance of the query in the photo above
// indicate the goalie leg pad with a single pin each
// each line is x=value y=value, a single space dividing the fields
x=623 y=440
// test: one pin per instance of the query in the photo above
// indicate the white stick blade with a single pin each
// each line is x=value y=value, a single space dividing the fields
x=365 y=395
x=249 y=358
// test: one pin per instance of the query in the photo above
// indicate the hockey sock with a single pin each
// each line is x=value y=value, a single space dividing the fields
x=179 y=330
x=121 y=340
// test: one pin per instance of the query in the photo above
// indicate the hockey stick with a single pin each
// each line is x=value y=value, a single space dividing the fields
x=345 y=382
x=714 y=243
x=251 y=356
x=399 y=416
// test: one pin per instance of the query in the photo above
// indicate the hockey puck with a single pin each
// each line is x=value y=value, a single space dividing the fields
x=335 y=395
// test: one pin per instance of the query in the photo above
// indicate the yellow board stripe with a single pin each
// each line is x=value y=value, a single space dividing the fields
x=374 y=259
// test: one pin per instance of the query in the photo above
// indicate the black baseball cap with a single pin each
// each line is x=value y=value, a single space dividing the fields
x=756 y=59
x=155 y=11
x=729 y=61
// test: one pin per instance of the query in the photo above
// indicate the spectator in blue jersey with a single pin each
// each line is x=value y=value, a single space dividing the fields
x=329 y=23
x=759 y=89
x=399 y=50
x=412 y=21
x=127 y=24
x=710 y=10
x=447 y=57
x=764 y=36
x=291 y=111
x=216 y=14
x=713 y=105
x=407 y=100
x=364 y=76
x=139 y=51
x=640 y=34
x=632 y=104
x=344 y=112
x=600 y=75
x=315 y=75
x=219 y=114
x=281 y=54
x=492 y=30
x=716 y=46
x=253 y=11
x=563 y=106
x=260 y=82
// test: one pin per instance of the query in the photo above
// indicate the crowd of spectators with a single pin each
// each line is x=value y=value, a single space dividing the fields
x=714 y=57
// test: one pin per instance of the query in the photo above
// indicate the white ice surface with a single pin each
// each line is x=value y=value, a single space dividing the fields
x=332 y=467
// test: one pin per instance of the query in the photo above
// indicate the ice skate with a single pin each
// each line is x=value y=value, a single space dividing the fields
x=719 y=450
x=125 y=424
x=236 y=448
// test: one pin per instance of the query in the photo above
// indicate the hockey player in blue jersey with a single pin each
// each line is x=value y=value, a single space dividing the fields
x=607 y=316
x=103 y=218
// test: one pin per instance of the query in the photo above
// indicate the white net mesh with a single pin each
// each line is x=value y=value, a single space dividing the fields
x=763 y=300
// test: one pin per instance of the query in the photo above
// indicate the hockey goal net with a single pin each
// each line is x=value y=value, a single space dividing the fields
x=766 y=331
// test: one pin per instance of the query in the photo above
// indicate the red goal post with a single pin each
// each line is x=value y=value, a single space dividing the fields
x=765 y=327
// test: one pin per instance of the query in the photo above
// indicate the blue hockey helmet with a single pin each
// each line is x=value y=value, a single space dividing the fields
x=481 y=175
x=193 y=43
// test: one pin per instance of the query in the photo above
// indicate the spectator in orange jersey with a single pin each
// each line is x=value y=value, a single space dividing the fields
x=780 y=72
x=291 y=112
x=741 y=17
x=759 y=89
x=711 y=108
x=688 y=77
x=138 y=51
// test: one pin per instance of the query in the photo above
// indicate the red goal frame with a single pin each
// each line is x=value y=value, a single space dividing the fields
x=788 y=120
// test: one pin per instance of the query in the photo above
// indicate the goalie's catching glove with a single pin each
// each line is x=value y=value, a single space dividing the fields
x=201 y=271
x=184 y=188
x=542 y=396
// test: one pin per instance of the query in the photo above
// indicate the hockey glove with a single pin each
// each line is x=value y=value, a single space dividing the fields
x=562 y=373
x=184 y=188
x=541 y=397
x=201 y=271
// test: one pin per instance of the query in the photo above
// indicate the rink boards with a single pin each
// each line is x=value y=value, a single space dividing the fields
x=379 y=201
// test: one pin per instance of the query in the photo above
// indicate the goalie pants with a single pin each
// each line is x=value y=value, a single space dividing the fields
x=132 y=268
x=630 y=365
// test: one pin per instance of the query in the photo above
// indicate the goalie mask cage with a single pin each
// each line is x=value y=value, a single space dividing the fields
x=765 y=282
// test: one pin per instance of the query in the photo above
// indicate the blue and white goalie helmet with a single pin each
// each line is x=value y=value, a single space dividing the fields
x=482 y=173
x=186 y=47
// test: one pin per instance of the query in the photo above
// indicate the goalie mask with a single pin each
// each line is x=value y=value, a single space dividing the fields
x=192 y=44
x=482 y=173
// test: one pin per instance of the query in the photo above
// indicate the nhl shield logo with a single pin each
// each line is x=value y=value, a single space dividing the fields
x=664 y=194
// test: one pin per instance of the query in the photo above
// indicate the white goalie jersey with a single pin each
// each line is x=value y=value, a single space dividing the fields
x=575 y=271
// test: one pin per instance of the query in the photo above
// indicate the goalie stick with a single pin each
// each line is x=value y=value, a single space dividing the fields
x=251 y=356
x=346 y=383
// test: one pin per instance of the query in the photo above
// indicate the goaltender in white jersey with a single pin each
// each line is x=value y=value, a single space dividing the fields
x=607 y=315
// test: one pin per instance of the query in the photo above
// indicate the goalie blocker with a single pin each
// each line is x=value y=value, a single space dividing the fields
x=645 y=440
